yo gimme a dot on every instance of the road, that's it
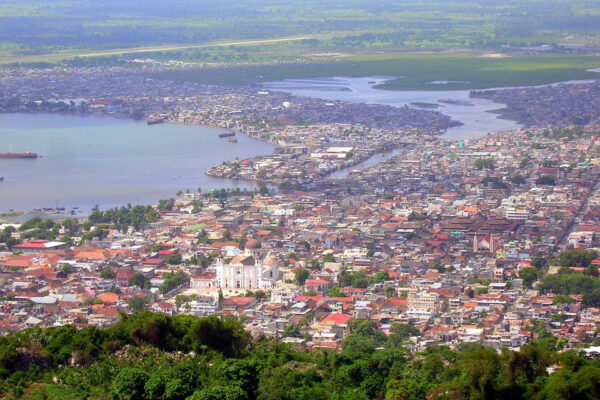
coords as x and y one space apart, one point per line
195 46
55 57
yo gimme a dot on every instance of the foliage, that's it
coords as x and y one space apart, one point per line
355 279
129 383
138 303
529 275
576 258
174 259
153 356
302 276
485 163
546 180
108 273
135 216
140 280
171 281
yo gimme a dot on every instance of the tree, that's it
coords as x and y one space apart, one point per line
400 332
129 383
292 331
562 299
140 280
328 258
357 345
517 180
177 389
334 291
138 303
301 276
220 392
485 163
155 386
537 263
108 274
546 180
403 389
529 275
174 259
67 269
577 258
381 276
389 291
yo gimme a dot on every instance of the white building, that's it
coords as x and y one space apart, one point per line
245 272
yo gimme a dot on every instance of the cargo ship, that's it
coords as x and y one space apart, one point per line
226 134
27 154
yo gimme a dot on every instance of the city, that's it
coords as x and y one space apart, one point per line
316 200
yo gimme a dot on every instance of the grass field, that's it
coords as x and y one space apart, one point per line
60 27
416 71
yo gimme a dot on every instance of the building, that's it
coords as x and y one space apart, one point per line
422 303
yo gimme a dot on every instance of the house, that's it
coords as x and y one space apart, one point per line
36 246
204 305
163 307
318 286
123 276
205 280
336 319
238 303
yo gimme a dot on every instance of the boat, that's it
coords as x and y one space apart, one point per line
233 140
226 134
27 154
155 120
1 178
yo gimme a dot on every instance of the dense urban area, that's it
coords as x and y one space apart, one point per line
416 277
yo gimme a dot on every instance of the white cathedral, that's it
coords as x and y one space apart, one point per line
247 271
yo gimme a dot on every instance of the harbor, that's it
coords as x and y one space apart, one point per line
109 161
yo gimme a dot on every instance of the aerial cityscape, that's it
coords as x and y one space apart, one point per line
300 200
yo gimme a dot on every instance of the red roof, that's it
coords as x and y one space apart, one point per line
315 282
34 244
239 301
167 252
337 318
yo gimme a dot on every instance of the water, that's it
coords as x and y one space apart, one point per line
476 116
376 159
111 162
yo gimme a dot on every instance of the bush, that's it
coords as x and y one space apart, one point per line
130 383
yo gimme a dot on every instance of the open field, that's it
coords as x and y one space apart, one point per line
417 71
60 27
8 58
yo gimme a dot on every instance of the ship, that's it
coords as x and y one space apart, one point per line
152 120
27 154
233 140
226 134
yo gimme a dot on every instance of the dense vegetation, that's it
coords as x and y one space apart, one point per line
152 356
122 218
572 282
35 27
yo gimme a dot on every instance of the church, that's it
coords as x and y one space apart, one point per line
246 270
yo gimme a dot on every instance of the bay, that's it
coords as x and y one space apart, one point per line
110 162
